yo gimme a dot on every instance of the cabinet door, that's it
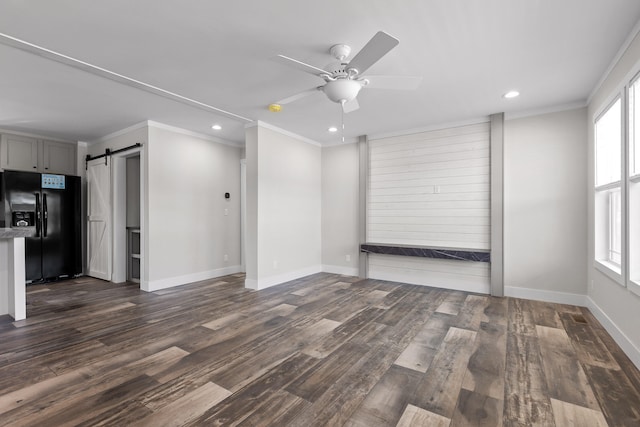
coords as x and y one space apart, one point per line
19 153
58 157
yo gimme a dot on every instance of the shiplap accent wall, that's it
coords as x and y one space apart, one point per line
431 189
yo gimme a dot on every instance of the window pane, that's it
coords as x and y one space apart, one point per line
608 135
634 129
615 226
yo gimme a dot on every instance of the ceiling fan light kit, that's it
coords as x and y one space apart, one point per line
342 90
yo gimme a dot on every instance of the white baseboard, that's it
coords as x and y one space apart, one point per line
618 336
267 282
340 269
156 285
479 288
546 296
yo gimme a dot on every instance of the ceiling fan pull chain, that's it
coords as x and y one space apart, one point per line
342 117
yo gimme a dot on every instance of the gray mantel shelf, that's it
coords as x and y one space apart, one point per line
427 252
12 233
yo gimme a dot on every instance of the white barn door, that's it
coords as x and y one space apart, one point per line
99 234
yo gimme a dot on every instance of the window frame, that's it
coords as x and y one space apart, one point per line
602 208
631 199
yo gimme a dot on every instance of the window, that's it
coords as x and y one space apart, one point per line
633 185
608 190
617 188
615 227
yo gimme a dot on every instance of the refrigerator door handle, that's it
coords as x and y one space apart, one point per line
45 214
38 219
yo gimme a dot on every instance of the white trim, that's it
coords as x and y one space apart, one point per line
545 110
630 349
282 131
119 133
35 135
186 132
338 143
170 282
621 51
340 269
158 125
609 186
609 270
113 76
428 128
545 295
267 282
479 288
633 286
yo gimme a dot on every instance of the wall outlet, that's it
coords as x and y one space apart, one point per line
347 258
226 211
226 257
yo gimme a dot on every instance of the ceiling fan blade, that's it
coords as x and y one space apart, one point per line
394 82
301 65
298 96
375 49
350 106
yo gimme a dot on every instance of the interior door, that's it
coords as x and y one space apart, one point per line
99 234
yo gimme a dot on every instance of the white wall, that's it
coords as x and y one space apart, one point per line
340 209
615 306
188 232
283 206
545 204
251 210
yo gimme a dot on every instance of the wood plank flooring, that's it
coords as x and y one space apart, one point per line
325 350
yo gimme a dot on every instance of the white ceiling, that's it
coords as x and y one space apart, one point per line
219 53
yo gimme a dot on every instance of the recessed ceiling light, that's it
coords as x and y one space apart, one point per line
511 94
216 127
333 129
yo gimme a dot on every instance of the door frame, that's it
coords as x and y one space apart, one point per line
243 214
119 215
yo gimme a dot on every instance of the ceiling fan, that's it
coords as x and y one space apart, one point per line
344 79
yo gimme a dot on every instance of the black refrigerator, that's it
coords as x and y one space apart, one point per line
49 205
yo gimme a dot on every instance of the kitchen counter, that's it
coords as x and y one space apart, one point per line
13 279
10 233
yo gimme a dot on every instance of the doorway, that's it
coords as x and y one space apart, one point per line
127 220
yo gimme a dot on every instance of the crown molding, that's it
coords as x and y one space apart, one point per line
35 135
623 49
282 131
428 128
545 110
186 132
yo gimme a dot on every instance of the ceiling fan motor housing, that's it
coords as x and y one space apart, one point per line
342 90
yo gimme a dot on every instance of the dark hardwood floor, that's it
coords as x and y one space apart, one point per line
326 350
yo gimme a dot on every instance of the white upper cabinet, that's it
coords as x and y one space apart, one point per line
19 153
35 155
58 157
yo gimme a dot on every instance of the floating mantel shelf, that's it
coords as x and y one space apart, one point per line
426 252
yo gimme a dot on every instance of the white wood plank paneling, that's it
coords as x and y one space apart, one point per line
431 189
423 180
439 273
